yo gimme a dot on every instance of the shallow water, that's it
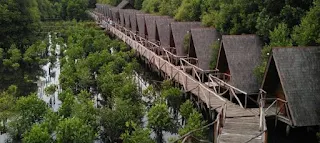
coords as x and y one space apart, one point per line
47 80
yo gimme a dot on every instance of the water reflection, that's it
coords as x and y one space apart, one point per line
52 73
143 81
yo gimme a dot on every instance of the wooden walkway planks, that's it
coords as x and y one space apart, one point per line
240 124
241 129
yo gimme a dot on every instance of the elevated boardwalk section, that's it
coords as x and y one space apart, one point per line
234 123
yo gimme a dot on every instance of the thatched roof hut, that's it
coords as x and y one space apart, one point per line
127 18
203 40
296 70
115 15
109 13
121 16
150 20
239 55
133 20
105 9
165 33
125 4
179 30
142 25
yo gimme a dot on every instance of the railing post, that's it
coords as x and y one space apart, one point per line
245 100
186 82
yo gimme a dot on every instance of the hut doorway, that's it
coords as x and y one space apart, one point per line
273 87
172 43
192 50
222 64
145 30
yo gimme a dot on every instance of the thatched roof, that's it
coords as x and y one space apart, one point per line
243 55
121 15
151 26
106 10
125 4
109 14
115 14
203 40
127 18
179 30
133 20
298 70
141 24
164 30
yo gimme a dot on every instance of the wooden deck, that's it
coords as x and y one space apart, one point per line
239 125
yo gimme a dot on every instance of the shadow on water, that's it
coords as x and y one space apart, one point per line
278 134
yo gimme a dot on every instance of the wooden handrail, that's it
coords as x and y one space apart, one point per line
226 84
201 85
185 60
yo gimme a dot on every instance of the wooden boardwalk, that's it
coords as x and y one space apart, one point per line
234 123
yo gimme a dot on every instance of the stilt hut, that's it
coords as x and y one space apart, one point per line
142 25
165 33
115 15
133 20
292 78
105 10
202 41
121 16
109 13
152 30
179 30
238 56
127 21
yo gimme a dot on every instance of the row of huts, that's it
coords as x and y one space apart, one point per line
292 75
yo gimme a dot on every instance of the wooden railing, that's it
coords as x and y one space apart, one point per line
232 90
171 57
198 73
280 105
220 121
